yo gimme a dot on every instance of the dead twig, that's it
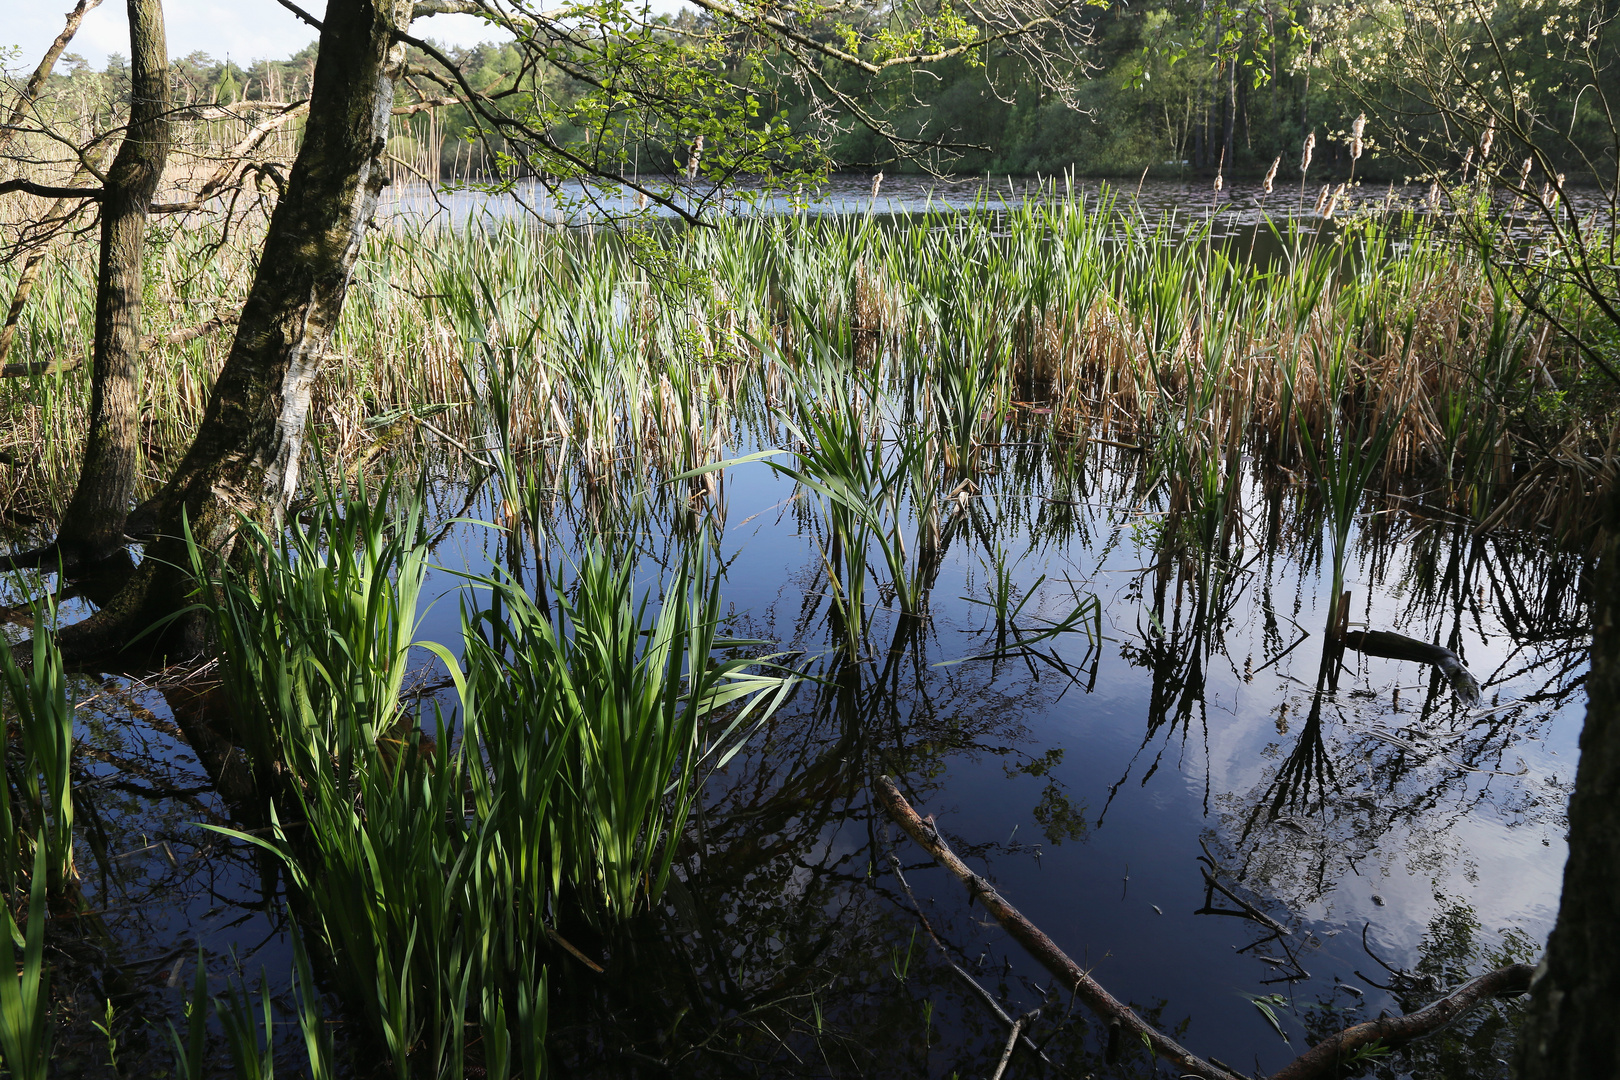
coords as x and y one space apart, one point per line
1322 1060
986 996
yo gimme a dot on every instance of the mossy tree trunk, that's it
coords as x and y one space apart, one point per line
244 459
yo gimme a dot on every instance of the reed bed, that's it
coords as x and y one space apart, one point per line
629 354
432 868
894 370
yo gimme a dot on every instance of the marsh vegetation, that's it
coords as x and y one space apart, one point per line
627 558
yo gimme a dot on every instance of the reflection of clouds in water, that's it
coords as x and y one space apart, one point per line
1423 798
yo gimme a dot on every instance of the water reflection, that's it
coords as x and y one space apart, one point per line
1218 756
1206 803
1240 204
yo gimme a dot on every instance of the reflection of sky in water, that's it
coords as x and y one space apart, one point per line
1418 812
1404 820
993 751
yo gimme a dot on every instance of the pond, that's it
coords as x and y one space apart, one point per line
1239 203
1096 786
1122 701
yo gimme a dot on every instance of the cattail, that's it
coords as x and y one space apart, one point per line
877 182
1550 192
1486 139
1321 200
1305 162
1219 183
1468 163
1271 173
1355 136
1523 187
1333 200
1434 197
692 162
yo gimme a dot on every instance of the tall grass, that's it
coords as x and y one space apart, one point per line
631 357
36 796
36 842
430 870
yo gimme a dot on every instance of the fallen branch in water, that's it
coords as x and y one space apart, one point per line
1318 1063
1040 946
1323 1058
986 996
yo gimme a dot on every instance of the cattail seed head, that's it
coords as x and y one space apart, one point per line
1321 199
1271 173
1305 161
877 182
1355 136
1434 197
1333 200
1486 139
1468 163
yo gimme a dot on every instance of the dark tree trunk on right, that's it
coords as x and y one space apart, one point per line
1571 1031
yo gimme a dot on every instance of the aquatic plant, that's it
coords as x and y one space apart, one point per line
25 1021
581 737
37 795
645 349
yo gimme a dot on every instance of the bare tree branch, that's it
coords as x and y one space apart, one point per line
1324 1059
36 81
1321 1062
48 191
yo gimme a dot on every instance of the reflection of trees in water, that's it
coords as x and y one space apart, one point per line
784 945
1363 770
1453 948
787 945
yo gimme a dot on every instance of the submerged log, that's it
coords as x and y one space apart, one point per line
1043 948
1394 646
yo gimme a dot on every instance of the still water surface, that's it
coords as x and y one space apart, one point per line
1372 814
1095 791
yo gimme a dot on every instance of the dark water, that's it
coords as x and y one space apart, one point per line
1094 786
1371 813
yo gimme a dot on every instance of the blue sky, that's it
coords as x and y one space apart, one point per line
244 30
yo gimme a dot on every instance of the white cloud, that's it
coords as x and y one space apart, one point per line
244 30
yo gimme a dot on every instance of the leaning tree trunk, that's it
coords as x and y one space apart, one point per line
1570 1030
244 459
92 527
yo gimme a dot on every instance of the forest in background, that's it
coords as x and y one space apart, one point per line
1172 89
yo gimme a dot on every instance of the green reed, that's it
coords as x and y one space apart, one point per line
36 795
651 352
429 869
25 1021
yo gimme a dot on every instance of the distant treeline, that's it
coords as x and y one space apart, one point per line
1173 88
